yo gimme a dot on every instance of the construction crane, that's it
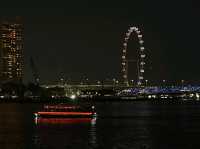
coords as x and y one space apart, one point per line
34 71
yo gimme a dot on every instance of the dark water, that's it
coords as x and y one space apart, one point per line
119 125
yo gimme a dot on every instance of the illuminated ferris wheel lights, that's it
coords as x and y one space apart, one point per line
132 28
141 77
124 51
141 48
128 34
136 29
142 70
138 32
123 57
125 76
139 36
123 64
141 41
143 56
125 44
142 63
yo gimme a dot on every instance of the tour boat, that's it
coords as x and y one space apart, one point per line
66 111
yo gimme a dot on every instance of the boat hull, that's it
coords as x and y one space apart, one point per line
65 114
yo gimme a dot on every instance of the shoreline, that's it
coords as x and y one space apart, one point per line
97 99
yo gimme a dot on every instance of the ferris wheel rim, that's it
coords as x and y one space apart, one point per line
141 58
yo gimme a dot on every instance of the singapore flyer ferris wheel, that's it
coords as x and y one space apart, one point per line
141 57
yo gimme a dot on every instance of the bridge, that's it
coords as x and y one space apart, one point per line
131 90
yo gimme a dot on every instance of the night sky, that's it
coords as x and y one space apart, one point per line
76 39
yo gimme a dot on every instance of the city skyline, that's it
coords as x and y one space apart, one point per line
78 43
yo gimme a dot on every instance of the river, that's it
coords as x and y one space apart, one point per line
119 125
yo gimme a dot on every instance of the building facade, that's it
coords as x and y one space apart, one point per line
11 50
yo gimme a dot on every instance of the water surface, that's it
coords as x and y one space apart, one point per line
119 125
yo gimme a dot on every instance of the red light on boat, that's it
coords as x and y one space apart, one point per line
65 113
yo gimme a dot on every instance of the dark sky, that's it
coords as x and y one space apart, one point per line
84 38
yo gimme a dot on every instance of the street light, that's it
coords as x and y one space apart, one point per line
117 82
164 81
114 81
132 82
146 82
87 81
182 82
98 82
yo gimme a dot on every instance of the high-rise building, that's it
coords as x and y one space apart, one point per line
11 50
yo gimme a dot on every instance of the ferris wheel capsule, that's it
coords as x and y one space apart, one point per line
141 48
130 30
141 77
142 56
125 76
138 32
125 44
128 34
126 39
142 70
136 29
141 41
123 63
124 51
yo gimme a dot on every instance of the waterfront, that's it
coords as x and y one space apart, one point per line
119 125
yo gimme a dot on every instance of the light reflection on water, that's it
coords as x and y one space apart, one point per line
62 121
92 134
71 128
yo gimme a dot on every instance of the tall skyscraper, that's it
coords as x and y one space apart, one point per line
11 50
